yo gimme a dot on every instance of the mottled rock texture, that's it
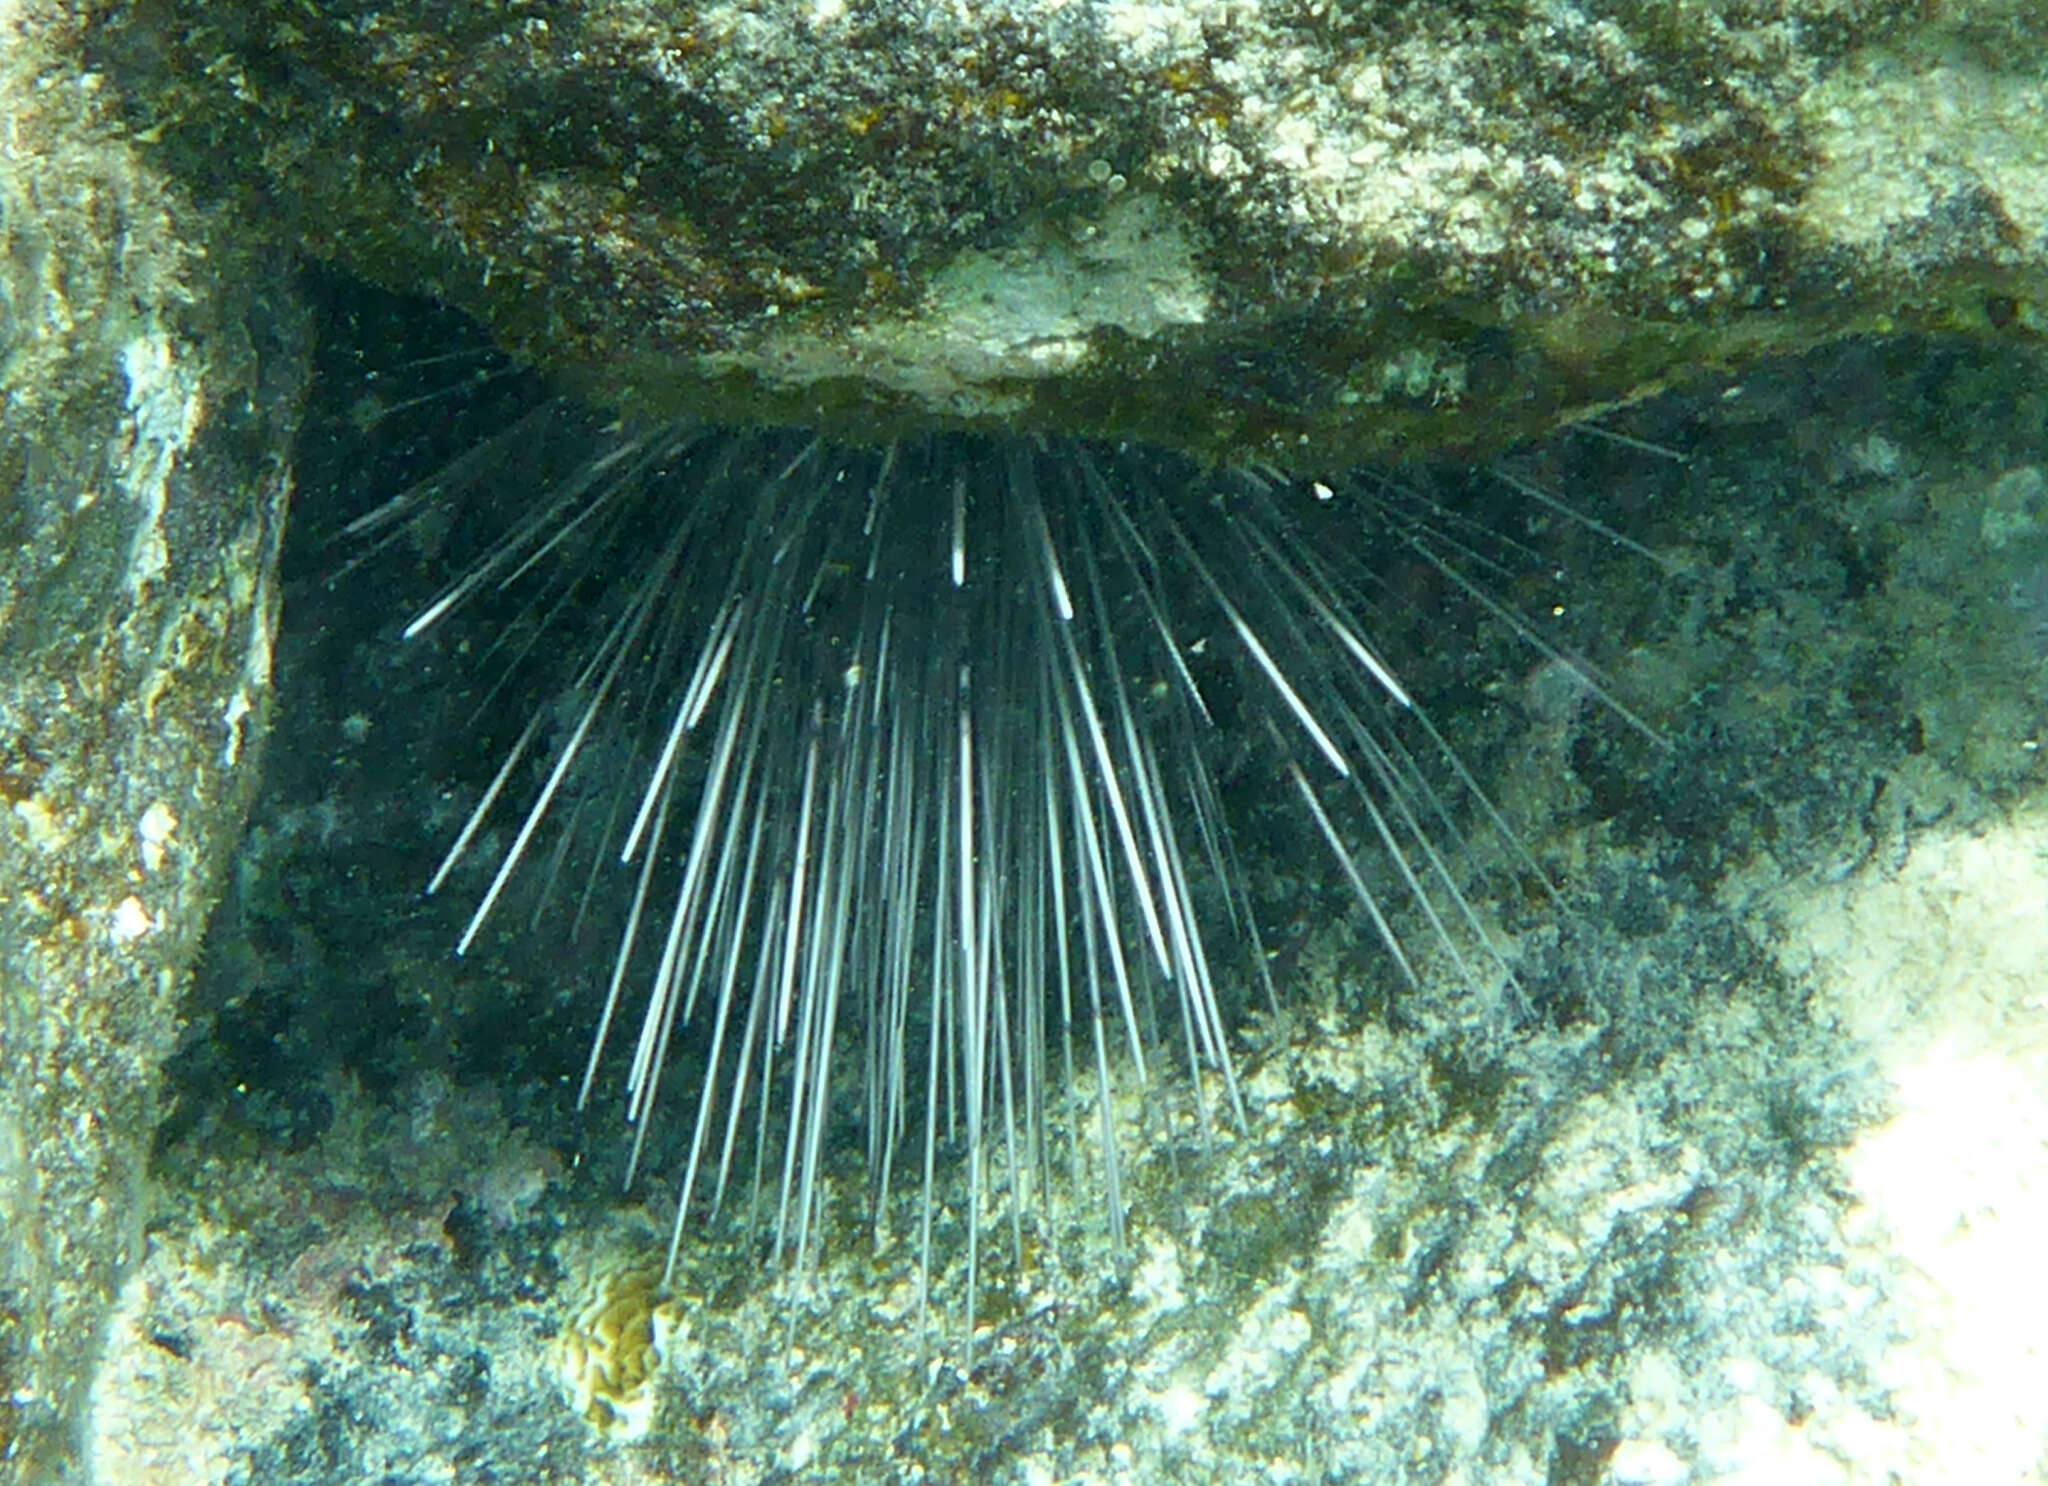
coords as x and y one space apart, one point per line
150 383
1279 228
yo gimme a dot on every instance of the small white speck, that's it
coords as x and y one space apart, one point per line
1646 1463
131 920
1180 1409
232 717
157 826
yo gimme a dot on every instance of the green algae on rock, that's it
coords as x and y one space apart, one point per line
1296 231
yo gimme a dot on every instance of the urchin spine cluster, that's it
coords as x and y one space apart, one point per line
917 759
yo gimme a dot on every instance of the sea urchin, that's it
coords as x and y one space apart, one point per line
923 758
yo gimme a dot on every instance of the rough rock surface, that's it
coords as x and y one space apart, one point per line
149 385
1745 1195
1622 1245
1274 228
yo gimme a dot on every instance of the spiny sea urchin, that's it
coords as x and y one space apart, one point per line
925 764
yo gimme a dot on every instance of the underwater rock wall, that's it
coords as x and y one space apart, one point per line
1301 232
1235 230
152 375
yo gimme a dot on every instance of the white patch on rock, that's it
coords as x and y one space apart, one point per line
165 407
1017 314
155 830
131 920
1937 970
1901 138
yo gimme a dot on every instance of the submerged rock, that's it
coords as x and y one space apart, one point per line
151 375
1618 1245
1693 1211
1292 231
